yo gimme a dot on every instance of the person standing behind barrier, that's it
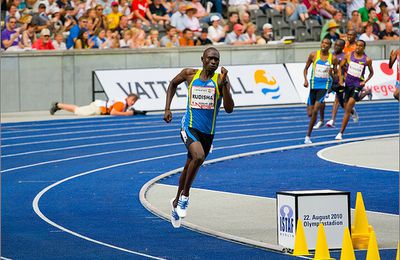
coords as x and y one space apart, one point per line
324 67
206 90
100 107
395 55
354 80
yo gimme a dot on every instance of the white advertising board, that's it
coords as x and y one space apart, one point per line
251 85
331 210
329 207
383 83
286 220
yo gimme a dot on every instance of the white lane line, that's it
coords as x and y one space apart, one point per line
88 156
320 154
152 125
295 139
174 136
155 131
220 125
135 125
5 258
217 234
114 121
34 181
171 136
174 144
36 208
175 130
242 111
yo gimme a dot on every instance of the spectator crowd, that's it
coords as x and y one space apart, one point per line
105 24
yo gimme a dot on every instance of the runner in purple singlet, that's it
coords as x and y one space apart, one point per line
354 80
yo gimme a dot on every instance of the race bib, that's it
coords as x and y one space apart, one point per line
355 69
202 97
322 71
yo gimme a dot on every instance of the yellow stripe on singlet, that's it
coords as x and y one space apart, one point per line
196 76
215 79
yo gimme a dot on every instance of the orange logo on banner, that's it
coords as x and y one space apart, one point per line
264 82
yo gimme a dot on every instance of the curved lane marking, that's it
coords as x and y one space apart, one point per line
36 200
320 155
156 211
158 146
147 205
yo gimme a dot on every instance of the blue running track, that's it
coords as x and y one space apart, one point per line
70 187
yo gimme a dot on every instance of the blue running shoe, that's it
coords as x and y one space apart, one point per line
183 203
175 219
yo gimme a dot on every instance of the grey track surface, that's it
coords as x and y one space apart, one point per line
380 154
227 217
223 212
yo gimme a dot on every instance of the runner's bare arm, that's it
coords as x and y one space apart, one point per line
226 91
392 58
371 72
184 75
341 65
310 60
334 70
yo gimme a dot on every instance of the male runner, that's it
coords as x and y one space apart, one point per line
324 67
206 90
350 47
354 80
395 54
339 91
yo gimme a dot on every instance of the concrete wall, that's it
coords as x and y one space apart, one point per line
32 80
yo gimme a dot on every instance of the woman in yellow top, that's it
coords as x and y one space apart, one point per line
114 16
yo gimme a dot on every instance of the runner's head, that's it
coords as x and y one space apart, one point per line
326 45
351 36
210 59
360 47
338 47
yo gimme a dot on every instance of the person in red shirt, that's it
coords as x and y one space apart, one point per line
140 10
44 42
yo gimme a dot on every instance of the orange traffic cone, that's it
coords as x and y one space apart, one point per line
300 242
360 230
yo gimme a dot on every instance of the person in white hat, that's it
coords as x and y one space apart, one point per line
216 32
44 42
51 7
266 35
